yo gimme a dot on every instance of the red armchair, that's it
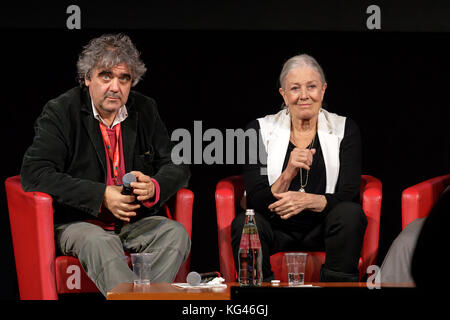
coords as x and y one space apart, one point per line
40 273
229 192
418 200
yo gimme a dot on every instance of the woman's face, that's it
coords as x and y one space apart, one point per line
303 92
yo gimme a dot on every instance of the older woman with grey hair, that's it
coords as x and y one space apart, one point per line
86 140
309 198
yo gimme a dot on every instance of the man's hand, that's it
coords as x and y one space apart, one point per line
121 206
144 188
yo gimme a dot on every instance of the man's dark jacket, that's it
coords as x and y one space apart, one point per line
67 158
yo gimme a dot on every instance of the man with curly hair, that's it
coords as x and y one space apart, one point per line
85 141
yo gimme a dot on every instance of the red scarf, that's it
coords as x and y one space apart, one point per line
114 157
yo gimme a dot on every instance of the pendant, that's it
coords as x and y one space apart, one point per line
302 190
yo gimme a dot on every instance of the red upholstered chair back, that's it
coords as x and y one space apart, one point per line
40 273
229 192
418 200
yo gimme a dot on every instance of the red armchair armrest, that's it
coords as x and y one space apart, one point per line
31 219
182 212
371 197
418 200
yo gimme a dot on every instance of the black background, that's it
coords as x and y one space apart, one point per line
220 64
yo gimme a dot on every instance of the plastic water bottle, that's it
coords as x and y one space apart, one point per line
250 253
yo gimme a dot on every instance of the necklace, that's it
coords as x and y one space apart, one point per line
303 186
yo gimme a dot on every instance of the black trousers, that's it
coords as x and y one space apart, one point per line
340 234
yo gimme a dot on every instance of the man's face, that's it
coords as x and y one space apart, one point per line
109 88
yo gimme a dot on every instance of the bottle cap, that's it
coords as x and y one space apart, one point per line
250 212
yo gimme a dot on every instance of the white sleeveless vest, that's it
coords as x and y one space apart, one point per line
275 132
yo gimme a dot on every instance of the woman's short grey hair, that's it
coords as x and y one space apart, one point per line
302 60
108 51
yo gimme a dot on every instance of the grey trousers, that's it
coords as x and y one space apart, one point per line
396 266
101 253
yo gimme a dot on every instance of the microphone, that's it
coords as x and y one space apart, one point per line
195 278
127 179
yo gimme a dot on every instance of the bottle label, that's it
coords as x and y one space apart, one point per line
250 241
245 241
254 241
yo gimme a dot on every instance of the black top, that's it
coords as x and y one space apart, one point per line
259 195
67 158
